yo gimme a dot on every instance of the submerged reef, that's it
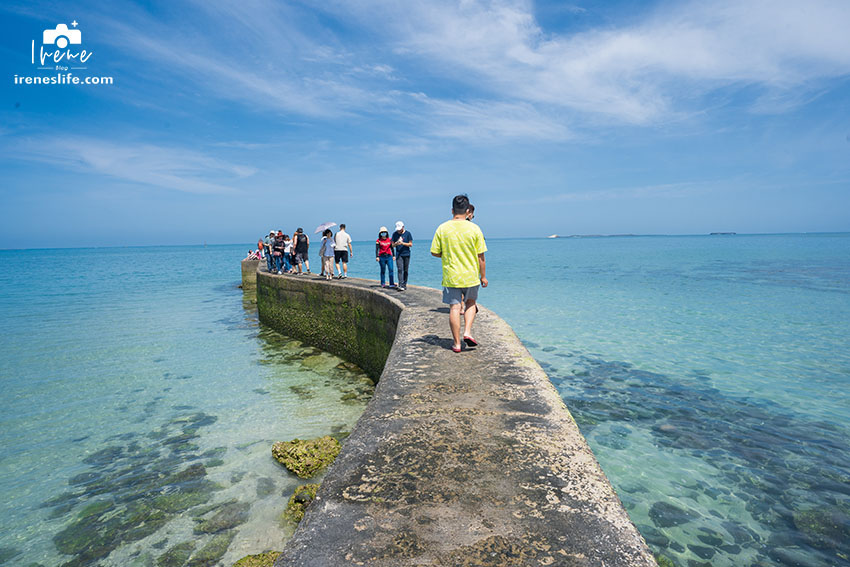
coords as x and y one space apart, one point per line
306 458
784 474
134 489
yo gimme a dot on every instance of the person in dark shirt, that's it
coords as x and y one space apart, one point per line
402 242
301 245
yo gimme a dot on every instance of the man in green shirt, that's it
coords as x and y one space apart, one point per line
460 245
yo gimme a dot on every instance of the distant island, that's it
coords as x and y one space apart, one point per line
625 235
590 235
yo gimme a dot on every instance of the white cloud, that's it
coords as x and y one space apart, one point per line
159 166
485 121
637 74
253 53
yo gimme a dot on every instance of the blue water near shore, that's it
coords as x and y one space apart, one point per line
709 374
140 392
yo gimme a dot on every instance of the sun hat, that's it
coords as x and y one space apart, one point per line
383 229
399 225
271 232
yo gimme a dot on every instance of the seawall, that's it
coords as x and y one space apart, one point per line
249 275
465 459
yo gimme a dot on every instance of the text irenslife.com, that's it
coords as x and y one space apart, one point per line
63 79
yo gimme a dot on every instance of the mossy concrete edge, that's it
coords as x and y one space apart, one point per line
348 321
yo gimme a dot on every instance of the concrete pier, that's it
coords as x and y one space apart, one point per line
467 459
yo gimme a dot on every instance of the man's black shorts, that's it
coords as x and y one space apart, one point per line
341 256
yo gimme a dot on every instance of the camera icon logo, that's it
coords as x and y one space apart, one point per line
61 37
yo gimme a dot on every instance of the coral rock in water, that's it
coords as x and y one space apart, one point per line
306 458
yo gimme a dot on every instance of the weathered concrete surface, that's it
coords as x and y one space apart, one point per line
249 274
466 459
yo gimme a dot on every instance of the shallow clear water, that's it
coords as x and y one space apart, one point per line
122 367
709 374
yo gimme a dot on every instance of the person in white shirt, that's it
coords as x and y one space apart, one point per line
342 249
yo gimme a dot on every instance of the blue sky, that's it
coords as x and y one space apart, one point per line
227 119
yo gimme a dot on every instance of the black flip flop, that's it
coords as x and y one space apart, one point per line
470 341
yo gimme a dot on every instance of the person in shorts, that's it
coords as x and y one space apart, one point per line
459 243
342 249
326 251
301 245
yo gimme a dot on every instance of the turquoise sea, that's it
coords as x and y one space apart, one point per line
710 375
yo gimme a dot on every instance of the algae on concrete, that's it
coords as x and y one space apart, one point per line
306 458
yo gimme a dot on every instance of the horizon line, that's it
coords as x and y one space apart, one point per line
559 237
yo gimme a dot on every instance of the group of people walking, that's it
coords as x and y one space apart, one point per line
285 255
458 242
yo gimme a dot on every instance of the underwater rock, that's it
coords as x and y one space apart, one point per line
350 366
192 472
303 392
666 515
823 529
261 560
227 517
306 458
265 486
84 478
178 501
96 509
104 456
298 502
315 361
209 555
664 561
653 536
702 552
177 555
7 553
710 538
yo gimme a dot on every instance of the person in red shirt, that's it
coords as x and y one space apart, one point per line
384 254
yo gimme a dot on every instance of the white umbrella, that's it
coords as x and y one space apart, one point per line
324 226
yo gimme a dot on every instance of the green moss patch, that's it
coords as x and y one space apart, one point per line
301 498
306 458
260 560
